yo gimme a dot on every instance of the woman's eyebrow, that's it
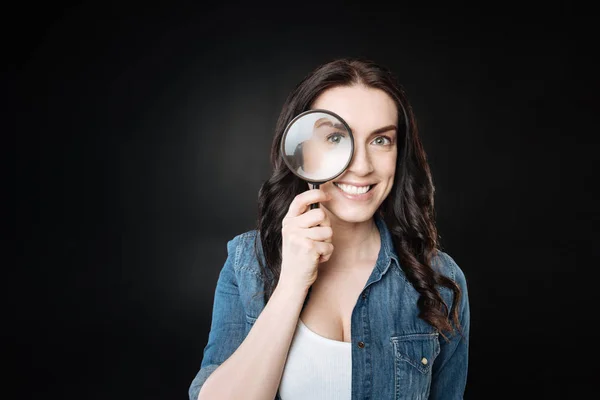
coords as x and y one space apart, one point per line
324 121
384 129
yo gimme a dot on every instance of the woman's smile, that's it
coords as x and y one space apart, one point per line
355 192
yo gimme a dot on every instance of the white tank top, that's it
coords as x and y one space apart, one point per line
317 368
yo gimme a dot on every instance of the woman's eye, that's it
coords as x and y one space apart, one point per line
382 140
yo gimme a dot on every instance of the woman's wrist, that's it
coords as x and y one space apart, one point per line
291 289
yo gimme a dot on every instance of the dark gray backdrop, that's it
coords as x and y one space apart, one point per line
142 138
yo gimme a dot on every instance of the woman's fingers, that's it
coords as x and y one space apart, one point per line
320 233
311 218
324 250
301 202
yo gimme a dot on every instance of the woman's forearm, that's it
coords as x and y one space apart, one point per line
254 370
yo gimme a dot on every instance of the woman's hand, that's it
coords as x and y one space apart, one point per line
306 237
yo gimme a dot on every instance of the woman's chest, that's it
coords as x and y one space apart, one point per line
333 297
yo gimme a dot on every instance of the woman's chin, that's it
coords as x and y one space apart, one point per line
351 215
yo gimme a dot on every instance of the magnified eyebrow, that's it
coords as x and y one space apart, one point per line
321 122
325 121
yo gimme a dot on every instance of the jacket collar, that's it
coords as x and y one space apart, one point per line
387 254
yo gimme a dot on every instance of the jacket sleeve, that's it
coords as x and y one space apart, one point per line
227 329
449 371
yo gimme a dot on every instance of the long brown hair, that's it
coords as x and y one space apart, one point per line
408 211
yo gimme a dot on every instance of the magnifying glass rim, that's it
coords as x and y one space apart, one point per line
318 110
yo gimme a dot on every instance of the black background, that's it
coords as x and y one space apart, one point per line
142 136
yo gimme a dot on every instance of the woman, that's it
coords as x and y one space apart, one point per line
353 299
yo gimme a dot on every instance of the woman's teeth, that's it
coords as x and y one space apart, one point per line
353 189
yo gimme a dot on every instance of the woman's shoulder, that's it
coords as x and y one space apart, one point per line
242 250
445 264
243 241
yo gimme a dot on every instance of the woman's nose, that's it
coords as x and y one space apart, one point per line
361 161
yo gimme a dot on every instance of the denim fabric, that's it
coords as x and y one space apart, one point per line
403 357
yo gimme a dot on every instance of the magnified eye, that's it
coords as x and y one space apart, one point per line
335 138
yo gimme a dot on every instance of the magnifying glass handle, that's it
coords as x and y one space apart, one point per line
315 205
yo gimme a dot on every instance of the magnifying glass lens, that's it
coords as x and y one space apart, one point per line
317 146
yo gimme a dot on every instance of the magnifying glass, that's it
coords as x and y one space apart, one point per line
317 146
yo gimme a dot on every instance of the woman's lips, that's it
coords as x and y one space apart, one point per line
357 197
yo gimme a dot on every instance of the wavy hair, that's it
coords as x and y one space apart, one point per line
408 210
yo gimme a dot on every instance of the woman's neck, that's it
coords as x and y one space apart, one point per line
354 243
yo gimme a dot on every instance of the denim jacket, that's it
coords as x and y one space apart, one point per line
395 354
